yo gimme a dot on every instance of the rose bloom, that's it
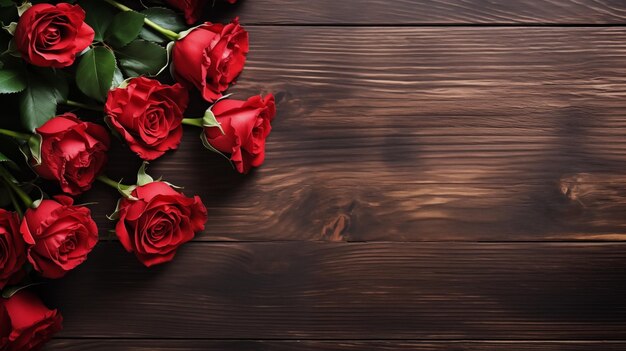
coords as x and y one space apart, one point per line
59 235
25 323
210 57
12 248
73 152
52 35
158 222
246 125
148 115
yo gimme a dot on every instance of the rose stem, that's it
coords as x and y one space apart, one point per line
20 193
81 105
16 204
196 122
165 32
16 135
108 181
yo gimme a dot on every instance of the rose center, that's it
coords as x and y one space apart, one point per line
50 36
153 121
68 245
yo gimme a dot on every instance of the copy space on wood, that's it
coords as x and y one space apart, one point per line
349 291
209 345
420 134
419 12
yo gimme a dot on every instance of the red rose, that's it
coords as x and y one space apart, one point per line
25 323
51 36
158 222
210 57
148 115
246 125
12 247
59 235
73 152
192 9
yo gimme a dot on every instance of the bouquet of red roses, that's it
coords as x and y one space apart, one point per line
136 67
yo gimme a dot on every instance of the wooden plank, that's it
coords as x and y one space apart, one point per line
304 290
426 12
185 345
421 134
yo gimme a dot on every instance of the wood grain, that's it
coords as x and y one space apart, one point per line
299 290
421 134
373 12
185 345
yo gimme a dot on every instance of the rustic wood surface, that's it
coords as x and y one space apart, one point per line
442 175
304 290
443 134
194 345
417 12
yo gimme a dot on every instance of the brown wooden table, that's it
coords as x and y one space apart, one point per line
442 175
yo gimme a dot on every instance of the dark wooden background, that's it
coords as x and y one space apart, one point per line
442 175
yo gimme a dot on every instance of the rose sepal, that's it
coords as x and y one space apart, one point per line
143 178
7 293
23 7
208 145
32 148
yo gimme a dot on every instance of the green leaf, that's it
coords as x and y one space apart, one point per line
4 159
94 74
142 58
142 177
124 28
165 18
5 3
98 16
38 102
12 81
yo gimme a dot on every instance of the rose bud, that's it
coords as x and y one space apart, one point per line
148 115
73 152
156 219
192 9
12 248
210 57
52 35
245 126
25 323
59 235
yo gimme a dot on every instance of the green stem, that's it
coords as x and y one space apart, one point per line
16 204
108 181
163 31
196 122
16 189
84 106
16 135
